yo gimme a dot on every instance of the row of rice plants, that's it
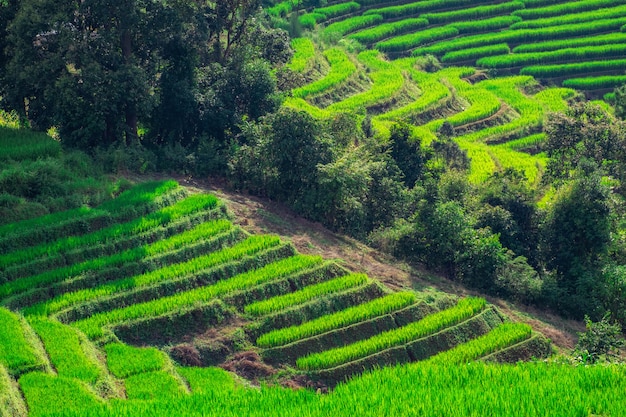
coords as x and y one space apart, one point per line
502 336
71 354
157 385
482 165
483 103
473 12
308 293
522 36
207 380
472 54
529 389
433 92
124 361
528 142
604 39
421 7
341 68
563 8
18 345
559 55
92 325
485 25
192 204
138 195
532 166
387 78
465 309
580 17
203 231
283 8
386 30
48 395
413 40
352 315
304 52
321 14
595 83
352 24
250 246
560 70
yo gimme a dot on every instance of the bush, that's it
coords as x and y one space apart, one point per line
601 341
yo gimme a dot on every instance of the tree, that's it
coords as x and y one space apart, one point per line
408 153
601 340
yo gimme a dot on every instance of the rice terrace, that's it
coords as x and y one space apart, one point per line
190 241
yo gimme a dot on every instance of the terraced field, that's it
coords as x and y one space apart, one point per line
497 56
176 274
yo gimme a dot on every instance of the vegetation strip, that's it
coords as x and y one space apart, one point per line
340 69
203 231
428 325
17 353
166 215
92 325
251 245
502 336
279 303
124 361
342 318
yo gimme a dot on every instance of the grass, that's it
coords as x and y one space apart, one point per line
203 231
124 361
66 349
250 246
337 320
17 353
428 325
92 325
156 385
275 304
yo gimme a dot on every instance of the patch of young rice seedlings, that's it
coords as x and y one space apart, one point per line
472 54
303 105
303 55
560 70
580 53
497 339
531 166
532 141
560 9
465 309
66 350
522 36
164 216
595 83
387 78
47 394
283 8
416 8
253 244
341 68
352 315
138 195
338 9
473 12
386 30
485 25
413 40
124 361
203 231
482 164
555 99
588 16
92 326
352 24
306 294
17 352
433 92
157 385
207 380
604 39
